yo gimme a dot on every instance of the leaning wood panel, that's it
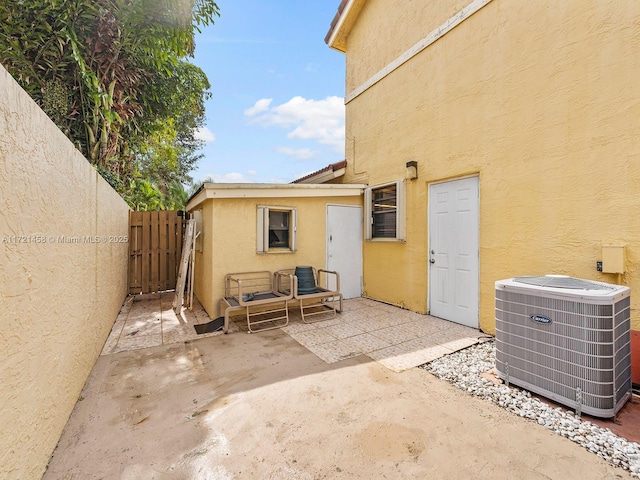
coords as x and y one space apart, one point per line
178 299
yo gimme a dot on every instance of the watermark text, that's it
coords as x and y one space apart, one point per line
39 238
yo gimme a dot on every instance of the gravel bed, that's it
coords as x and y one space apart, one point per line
463 370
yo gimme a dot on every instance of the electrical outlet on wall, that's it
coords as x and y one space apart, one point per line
599 266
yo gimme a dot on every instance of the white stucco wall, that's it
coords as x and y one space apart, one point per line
58 300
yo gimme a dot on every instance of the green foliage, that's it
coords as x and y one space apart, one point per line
144 195
113 75
195 186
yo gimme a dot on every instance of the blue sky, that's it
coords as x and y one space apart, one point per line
277 111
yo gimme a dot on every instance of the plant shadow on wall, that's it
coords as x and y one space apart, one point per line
115 78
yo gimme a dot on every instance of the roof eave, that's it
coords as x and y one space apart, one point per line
272 190
341 25
324 176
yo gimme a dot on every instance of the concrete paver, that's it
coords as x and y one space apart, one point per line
383 332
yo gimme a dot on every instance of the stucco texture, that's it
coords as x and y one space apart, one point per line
59 291
540 99
229 240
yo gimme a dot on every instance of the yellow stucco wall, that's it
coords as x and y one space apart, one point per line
203 276
230 229
540 99
394 272
405 22
58 300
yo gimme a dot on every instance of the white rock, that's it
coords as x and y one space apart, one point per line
463 370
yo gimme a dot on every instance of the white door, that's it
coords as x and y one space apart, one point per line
453 251
344 247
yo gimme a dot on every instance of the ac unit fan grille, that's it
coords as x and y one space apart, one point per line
564 282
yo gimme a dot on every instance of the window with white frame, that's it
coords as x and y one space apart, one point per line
385 209
276 229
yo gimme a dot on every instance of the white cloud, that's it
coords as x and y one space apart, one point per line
274 72
232 177
260 106
301 153
307 119
278 180
236 177
204 134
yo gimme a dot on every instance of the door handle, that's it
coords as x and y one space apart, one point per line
432 260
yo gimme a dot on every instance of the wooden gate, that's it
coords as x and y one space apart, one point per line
155 244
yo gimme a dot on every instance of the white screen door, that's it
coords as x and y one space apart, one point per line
344 247
453 250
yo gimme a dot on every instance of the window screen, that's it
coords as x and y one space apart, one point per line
279 233
384 209
276 229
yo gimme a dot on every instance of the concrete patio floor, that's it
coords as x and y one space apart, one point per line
264 406
399 339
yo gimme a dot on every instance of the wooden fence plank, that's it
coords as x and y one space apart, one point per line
131 273
164 281
174 258
144 250
154 283
155 240
180 224
171 238
135 259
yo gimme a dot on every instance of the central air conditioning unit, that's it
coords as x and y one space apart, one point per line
566 339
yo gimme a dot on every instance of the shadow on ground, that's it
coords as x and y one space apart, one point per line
263 406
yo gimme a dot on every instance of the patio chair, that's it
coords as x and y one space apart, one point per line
265 307
321 301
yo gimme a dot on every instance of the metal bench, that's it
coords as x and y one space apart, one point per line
257 295
320 302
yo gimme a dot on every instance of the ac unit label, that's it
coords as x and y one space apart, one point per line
541 319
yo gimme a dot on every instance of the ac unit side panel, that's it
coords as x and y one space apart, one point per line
567 398
518 302
588 342
555 375
593 368
622 347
